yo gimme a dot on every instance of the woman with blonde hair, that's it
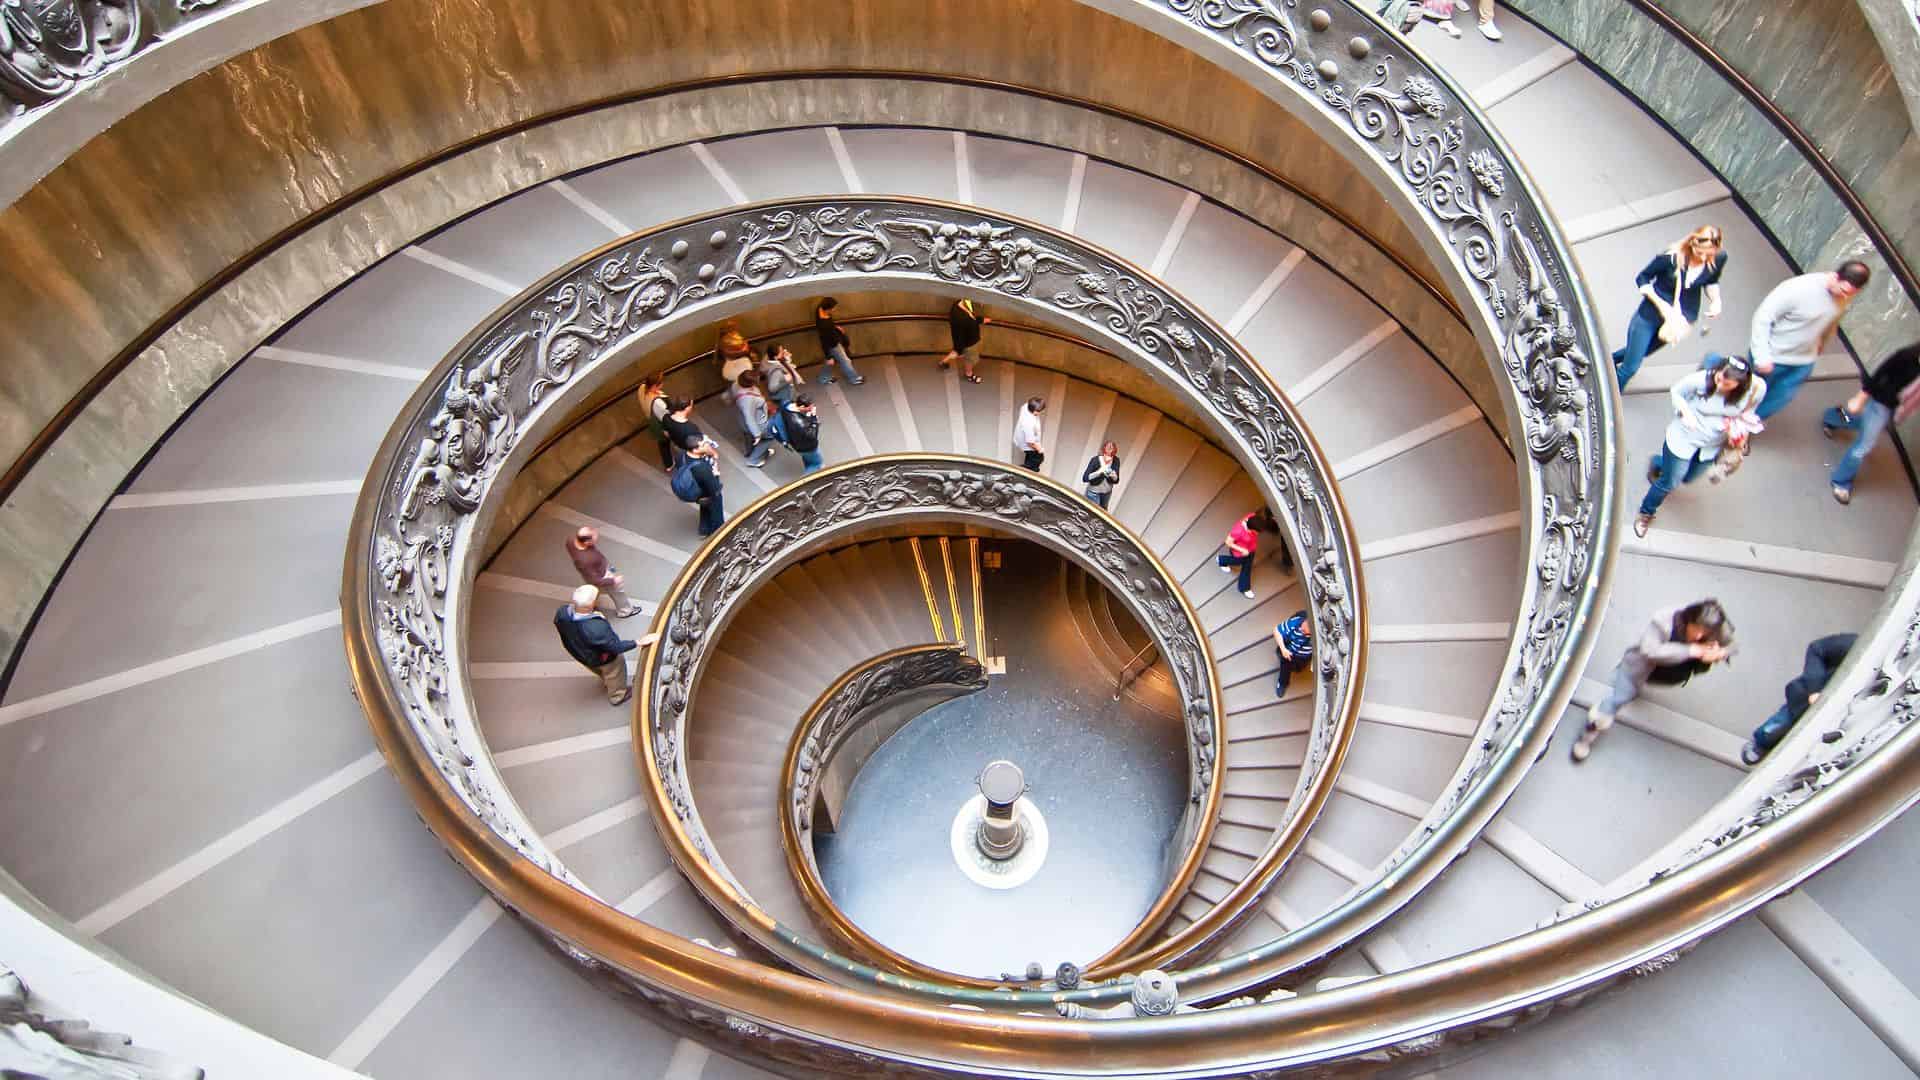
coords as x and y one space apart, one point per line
1671 287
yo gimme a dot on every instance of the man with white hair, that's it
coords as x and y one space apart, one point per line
589 638
591 563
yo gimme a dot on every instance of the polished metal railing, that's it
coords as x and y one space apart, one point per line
514 378
831 508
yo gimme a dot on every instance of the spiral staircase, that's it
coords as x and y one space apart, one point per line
192 785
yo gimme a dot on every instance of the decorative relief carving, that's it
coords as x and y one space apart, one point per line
48 47
757 543
876 684
571 322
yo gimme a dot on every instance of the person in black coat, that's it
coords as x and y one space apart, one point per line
1672 286
1823 659
1101 474
964 322
589 638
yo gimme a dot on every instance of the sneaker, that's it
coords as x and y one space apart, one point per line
622 699
1581 749
627 614
1225 569
1248 594
1641 523
1490 31
1451 30
1750 754
1842 495
858 380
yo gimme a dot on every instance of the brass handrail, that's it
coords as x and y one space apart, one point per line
795 809
1126 675
950 487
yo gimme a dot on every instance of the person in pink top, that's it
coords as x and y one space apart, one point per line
1243 541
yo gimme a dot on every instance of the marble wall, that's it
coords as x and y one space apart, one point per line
1819 62
301 151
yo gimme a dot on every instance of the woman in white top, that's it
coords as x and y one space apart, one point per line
1711 409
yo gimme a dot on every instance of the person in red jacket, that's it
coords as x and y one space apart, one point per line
1243 541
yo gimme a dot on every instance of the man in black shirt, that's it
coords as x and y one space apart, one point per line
680 428
833 343
589 638
1886 397
964 321
1823 659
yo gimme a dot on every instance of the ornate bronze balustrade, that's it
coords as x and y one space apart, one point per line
825 509
514 376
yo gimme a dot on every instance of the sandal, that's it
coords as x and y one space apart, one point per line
974 379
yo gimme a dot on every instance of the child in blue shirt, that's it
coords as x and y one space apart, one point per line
1293 644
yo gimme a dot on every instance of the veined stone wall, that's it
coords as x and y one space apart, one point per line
1819 62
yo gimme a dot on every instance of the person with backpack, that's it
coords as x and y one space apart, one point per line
653 402
1823 658
1712 409
1888 396
696 479
1676 644
834 343
1243 541
801 427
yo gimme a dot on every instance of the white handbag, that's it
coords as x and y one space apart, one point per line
1675 327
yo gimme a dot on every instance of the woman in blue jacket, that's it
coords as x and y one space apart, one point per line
1688 269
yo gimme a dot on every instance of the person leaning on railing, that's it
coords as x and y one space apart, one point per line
1823 658
1888 396
589 638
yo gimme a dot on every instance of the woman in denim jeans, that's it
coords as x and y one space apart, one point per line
1710 408
1676 278
1869 412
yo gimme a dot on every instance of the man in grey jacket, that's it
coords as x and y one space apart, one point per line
1795 323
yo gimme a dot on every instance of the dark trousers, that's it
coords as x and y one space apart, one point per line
1245 563
1287 669
666 453
1643 340
1033 459
1099 498
712 515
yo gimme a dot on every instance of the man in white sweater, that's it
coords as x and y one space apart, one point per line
1795 324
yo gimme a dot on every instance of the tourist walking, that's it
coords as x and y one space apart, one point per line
654 403
756 419
696 479
734 354
1293 646
1243 543
779 375
594 569
589 638
1487 29
1675 645
964 321
1889 395
1027 433
1102 473
1822 660
834 343
1688 271
1795 323
1712 410
800 427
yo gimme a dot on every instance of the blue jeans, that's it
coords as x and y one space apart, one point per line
1773 729
1782 384
1099 498
811 459
712 515
839 353
1245 563
1643 340
1669 468
1867 428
